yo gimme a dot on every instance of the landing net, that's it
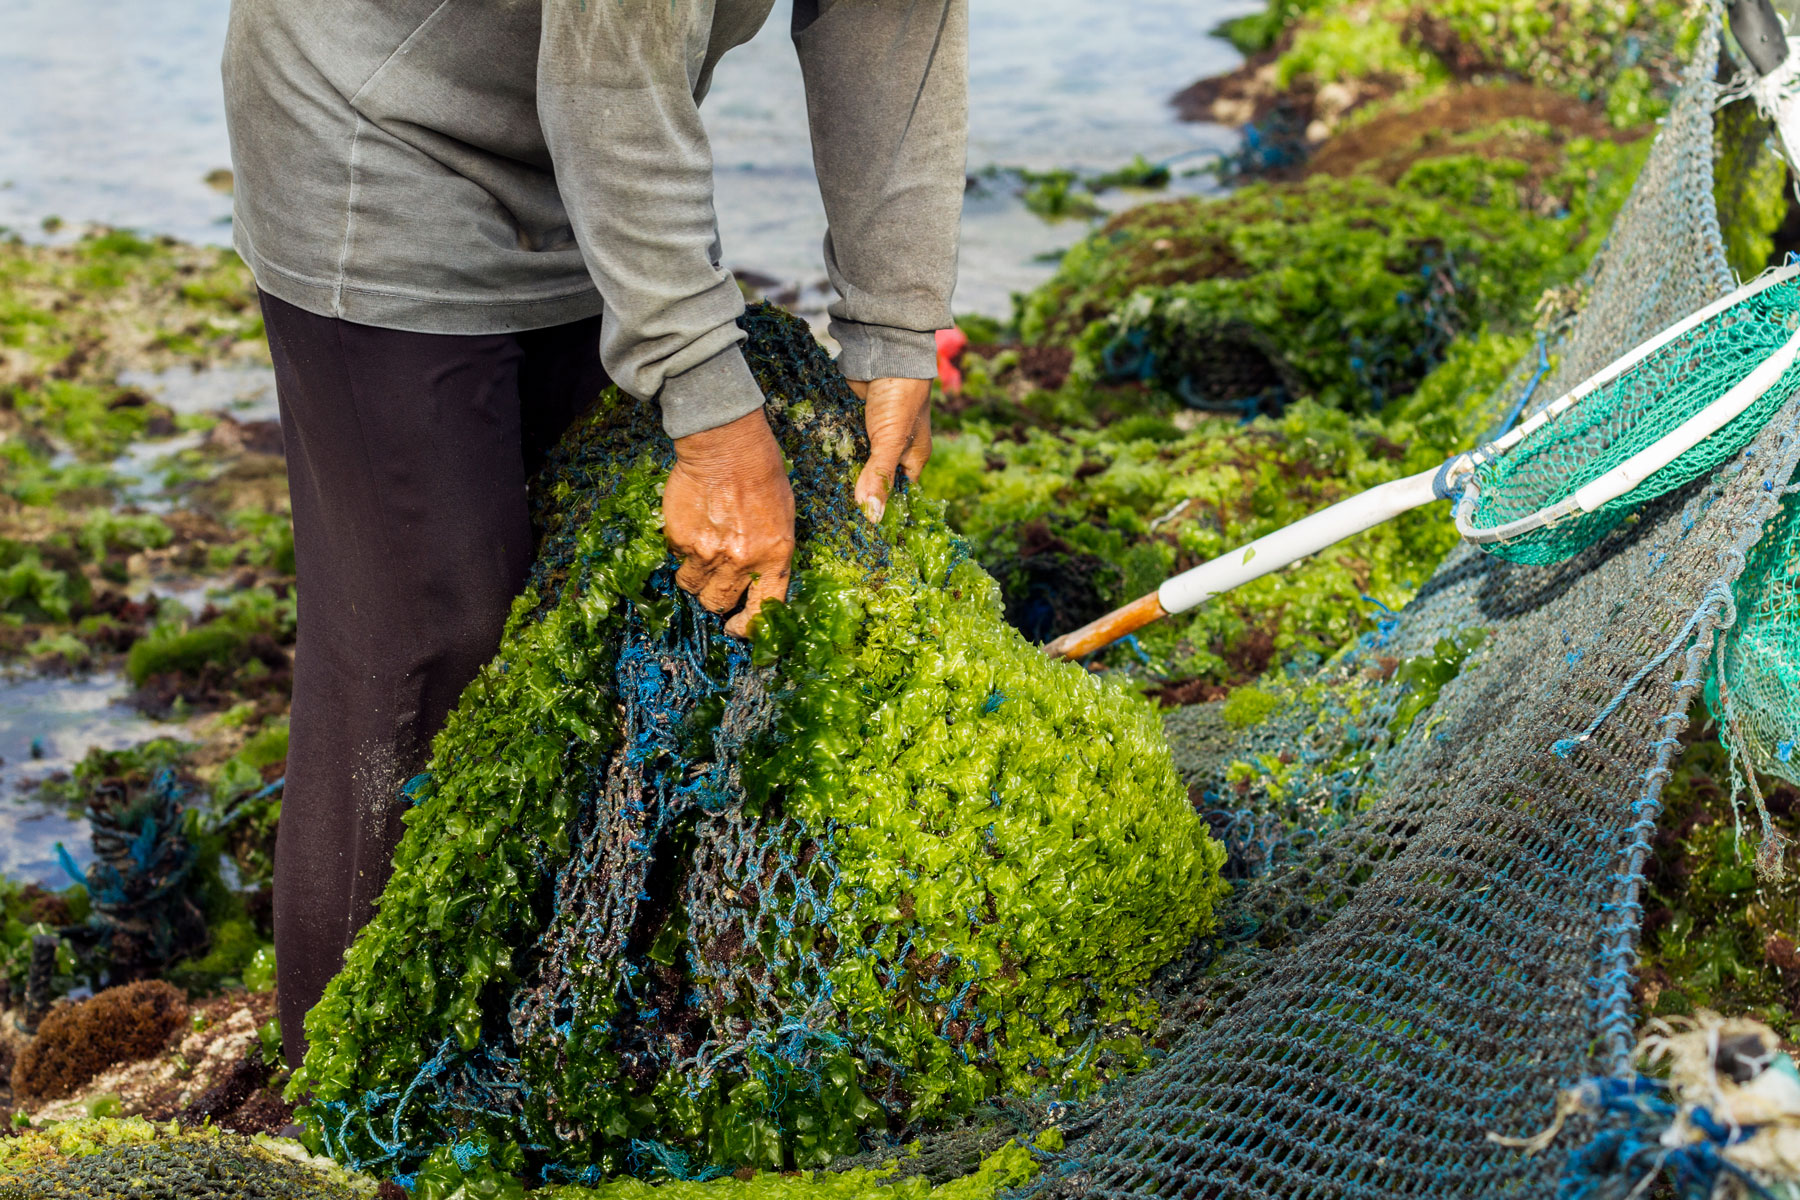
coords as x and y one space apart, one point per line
1630 413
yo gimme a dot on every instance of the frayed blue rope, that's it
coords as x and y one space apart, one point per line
1518 408
1719 596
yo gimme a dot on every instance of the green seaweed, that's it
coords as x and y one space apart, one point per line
1424 677
1750 187
117 770
37 590
102 533
1337 45
1249 705
1716 935
1013 1164
1350 288
1111 516
167 650
107 1157
1586 48
1576 46
226 641
993 827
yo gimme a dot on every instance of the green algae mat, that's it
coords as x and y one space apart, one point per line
111 1158
670 904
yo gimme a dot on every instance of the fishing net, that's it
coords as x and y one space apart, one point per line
669 904
1438 928
141 881
1630 413
1754 689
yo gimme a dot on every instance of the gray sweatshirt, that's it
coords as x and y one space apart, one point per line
485 166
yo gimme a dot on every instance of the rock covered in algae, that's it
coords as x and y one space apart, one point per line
133 1159
668 900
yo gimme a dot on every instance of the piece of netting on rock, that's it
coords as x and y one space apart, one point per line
1454 941
671 904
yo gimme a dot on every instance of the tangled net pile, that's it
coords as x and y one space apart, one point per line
667 899
1444 952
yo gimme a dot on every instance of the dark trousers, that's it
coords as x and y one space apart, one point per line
407 458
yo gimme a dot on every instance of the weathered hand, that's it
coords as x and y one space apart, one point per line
897 413
728 514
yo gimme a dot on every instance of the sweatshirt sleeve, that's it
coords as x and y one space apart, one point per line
887 100
616 99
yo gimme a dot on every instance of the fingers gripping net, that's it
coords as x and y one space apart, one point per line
1450 951
1629 414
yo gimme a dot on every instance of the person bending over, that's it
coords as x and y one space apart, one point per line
464 218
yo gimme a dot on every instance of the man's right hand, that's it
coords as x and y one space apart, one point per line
728 514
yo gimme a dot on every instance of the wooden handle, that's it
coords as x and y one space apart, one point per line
1108 629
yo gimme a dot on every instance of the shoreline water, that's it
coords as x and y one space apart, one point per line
117 120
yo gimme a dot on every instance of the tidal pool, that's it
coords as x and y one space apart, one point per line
47 723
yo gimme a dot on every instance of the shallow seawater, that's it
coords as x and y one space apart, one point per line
113 115
246 392
47 724
61 718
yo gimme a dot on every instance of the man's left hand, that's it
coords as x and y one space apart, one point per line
897 413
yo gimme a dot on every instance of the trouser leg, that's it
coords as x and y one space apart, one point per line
407 469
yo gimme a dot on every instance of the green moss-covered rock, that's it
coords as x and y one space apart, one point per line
133 1159
1345 290
655 893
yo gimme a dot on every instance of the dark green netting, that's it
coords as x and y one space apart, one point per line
668 905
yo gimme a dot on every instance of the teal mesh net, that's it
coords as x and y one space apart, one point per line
1754 689
1629 414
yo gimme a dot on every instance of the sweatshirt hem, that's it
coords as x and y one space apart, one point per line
418 312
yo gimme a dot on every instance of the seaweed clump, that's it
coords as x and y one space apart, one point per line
669 904
1344 289
1718 935
134 1159
78 1041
